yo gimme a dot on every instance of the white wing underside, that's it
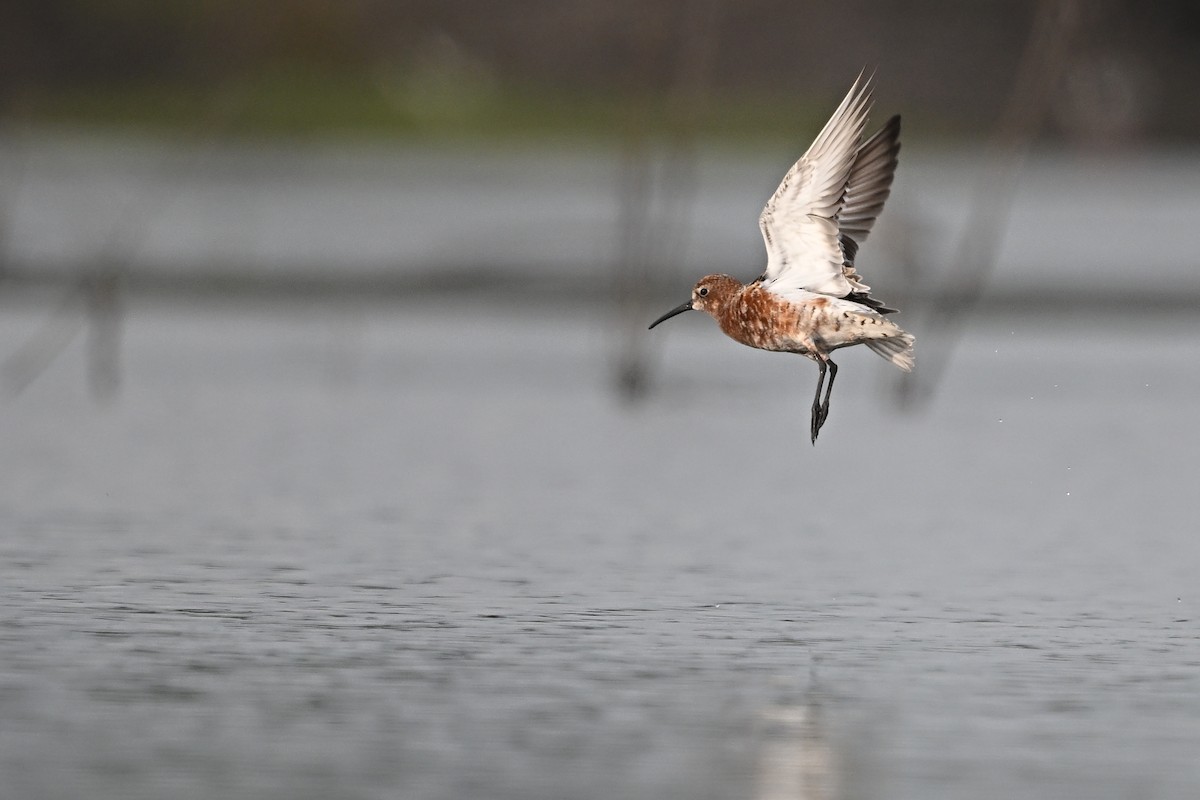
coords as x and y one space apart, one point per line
833 193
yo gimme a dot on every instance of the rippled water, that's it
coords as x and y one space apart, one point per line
423 552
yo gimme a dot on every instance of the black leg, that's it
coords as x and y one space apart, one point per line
828 391
820 408
816 407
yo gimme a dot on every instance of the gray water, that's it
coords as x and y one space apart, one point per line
423 552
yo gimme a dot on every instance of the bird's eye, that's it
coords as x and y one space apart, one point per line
703 291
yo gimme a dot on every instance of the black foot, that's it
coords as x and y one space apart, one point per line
819 413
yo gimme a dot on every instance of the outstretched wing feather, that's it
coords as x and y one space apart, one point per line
870 182
800 223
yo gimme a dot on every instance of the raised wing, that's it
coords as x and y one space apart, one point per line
867 189
870 182
833 192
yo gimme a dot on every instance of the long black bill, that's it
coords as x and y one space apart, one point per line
672 313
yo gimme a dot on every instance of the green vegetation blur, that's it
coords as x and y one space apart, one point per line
467 68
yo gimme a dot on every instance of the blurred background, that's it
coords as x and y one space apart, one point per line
615 150
337 460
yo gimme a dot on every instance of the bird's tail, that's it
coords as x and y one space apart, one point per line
896 348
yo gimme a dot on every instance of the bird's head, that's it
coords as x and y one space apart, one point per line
709 293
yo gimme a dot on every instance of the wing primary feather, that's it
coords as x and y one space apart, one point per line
800 222
870 181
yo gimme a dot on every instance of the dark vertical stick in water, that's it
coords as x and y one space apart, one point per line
10 181
100 289
656 190
1047 53
104 310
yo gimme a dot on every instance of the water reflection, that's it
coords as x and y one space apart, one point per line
797 760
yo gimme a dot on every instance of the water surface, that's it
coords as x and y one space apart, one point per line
423 552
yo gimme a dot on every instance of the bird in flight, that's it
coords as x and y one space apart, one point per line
810 299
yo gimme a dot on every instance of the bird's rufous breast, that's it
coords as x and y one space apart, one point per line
762 319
